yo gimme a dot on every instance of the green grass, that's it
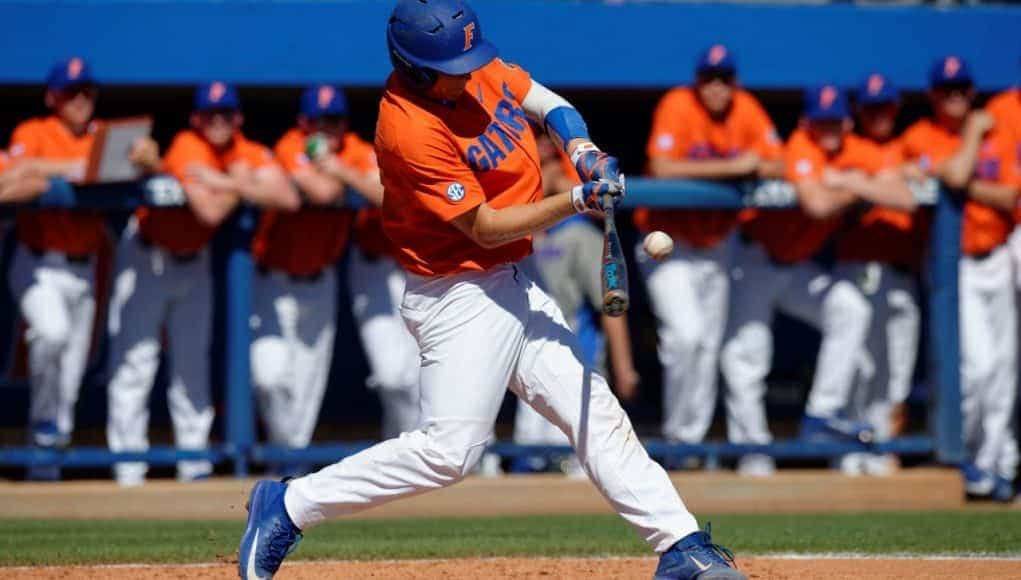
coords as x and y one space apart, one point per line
28 542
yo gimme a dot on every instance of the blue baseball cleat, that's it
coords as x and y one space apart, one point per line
978 484
270 534
696 556
835 428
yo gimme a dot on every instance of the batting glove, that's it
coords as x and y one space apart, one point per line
589 196
594 165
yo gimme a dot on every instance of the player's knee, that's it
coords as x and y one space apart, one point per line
50 335
137 365
452 451
678 345
848 311
269 363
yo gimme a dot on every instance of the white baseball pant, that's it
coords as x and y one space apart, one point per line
758 288
689 294
377 289
480 333
887 364
56 299
293 328
989 361
154 291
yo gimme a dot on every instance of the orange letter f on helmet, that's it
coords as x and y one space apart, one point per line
469 35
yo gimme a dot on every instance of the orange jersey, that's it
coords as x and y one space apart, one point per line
177 229
1006 109
884 234
792 236
75 233
439 161
682 129
307 241
983 228
4 161
369 234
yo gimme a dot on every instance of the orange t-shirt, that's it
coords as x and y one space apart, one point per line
440 160
1006 109
884 234
307 241
177 229
682 129
78 232
791 236
983 228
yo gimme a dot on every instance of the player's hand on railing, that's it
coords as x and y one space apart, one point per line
746 163
145 153
589 196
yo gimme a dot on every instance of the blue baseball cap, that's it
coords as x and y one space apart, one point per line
716 58
216 95
876 89
322 101
68 73
949 70
826 103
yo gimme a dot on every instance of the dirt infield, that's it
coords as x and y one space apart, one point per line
547 568
719 492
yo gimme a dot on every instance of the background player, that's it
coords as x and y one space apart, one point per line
164 282
713 130
296 287
880 251
462 197
52 276
830 168
22 182
957 145
1006 111
567 259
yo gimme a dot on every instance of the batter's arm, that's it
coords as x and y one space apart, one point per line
492 228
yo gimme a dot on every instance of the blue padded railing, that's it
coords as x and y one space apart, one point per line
240 448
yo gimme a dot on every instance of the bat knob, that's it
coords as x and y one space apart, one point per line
615 303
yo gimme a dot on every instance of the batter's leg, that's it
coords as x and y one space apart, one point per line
137 308
470 336
552 379
189 328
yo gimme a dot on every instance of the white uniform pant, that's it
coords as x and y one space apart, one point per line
154 292
480 333
887 364
689 294
57 302
377 289
293 328
989 361
758 288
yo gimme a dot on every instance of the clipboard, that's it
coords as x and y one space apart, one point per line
108 159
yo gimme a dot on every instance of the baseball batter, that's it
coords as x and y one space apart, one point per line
832 170
52 276
959 146
713 130
881 252
463 195
163 280
295 292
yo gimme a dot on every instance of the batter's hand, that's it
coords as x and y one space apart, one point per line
589 196
594 165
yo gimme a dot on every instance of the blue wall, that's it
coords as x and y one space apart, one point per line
563 43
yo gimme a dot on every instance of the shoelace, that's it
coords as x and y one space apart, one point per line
717 550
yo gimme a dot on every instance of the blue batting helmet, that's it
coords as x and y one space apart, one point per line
430 36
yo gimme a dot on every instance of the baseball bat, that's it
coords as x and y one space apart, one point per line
614 274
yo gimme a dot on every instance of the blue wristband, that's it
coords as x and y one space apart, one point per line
565 124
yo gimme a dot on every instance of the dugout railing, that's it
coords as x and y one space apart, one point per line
240 448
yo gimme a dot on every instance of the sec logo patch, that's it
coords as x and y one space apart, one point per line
455 192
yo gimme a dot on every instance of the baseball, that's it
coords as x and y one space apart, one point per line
658 245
